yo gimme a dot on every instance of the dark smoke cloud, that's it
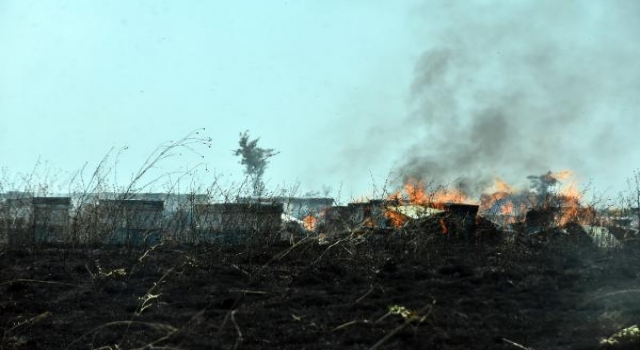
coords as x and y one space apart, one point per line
517 88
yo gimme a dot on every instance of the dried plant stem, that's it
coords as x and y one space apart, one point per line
350 323
519 346
365 294
25 280
151 325
153 344
247 291
29 322
281 255
240 269
418 317
611 294
240 338
329 247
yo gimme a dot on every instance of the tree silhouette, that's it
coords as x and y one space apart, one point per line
255 160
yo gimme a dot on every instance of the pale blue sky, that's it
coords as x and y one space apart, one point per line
333 85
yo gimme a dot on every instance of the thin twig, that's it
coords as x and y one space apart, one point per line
25 280
160 326
151 290
350 323
407 322
281 255
607 295
240 269
329 247
153 344
247 291
365 294
519 346
240 338
224 322
30 321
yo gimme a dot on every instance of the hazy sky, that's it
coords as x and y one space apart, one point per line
348 91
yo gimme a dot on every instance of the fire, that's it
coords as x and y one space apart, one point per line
570 203
562 175
396 219
512 204
498 192
369 223
309 223
570 191
415 192
504 202
412 192
445 230
507 209
444 195
502 187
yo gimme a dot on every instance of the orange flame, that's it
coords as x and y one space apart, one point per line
415 192
309 223
570 205
562 175
502 199
445 230
568 195
502 187
499 191
507 209
369 223
396 219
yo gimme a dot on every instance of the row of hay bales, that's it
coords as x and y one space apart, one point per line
52 220
381 214
136 222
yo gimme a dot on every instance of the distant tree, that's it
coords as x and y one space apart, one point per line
255 160
632 199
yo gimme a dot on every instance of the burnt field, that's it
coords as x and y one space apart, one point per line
369 292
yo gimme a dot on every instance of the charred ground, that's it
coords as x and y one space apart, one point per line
376 290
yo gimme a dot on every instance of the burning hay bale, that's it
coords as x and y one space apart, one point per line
458 221
412 211
465 213
568 225
540 219
440 223
450 212
337 219
450 226
575 235
385 217
486 230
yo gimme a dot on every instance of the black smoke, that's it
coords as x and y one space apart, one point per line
514 88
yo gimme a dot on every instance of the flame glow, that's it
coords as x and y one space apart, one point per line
396 219
445 230
570 209
309 223
415 192
505 203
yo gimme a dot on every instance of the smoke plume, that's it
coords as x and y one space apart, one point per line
517 88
